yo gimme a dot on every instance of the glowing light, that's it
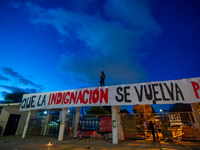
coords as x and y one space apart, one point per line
49 144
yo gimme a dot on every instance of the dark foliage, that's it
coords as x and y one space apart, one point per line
124 111
180 108
97 110
108 108
14 97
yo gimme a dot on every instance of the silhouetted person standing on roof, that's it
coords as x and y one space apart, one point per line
102 78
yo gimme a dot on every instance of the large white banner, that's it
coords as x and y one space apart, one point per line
162 92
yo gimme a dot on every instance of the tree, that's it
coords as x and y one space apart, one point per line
180 108
124 111
97 110
84 110
140 110
14 97
108 108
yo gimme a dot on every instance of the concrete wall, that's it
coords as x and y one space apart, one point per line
4 116
3 119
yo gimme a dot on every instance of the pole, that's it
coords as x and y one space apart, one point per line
26 125
46 123
145 120
120 135
193 126
76 121
62 124
114 125
196 115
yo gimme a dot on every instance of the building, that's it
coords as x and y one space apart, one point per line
12 121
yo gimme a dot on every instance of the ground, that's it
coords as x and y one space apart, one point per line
31 142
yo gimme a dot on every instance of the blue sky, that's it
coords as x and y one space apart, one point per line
63 44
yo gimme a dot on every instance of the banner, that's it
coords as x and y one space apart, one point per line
175 119
163 92
89 123
105 124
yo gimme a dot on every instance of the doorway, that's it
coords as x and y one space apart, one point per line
12 124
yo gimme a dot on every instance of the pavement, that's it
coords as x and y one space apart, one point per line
31 142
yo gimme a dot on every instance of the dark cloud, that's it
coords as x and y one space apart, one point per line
3 78
21 79
28 82
9 71
13 88
31 90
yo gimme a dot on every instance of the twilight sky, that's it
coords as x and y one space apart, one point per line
64 44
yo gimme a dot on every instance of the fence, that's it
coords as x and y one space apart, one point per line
167 126
185 128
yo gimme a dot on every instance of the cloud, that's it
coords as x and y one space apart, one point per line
3 78
16 5
21 79
31 90
10 72
13 88
112 36
28 82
